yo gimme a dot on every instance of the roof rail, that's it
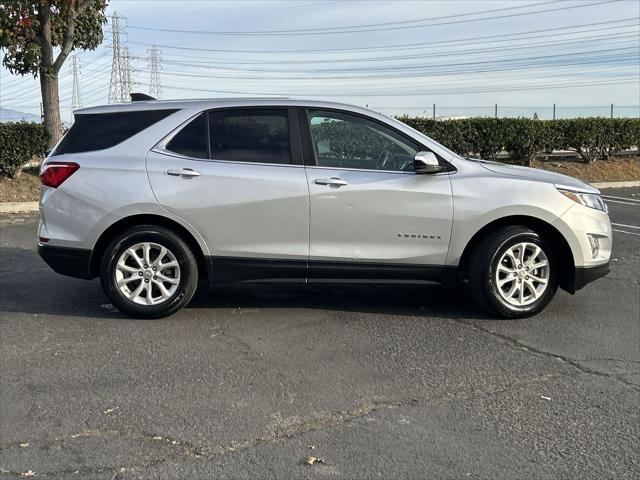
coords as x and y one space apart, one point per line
140 97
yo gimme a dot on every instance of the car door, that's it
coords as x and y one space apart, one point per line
236 175
372 216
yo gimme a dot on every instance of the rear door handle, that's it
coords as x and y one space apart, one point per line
183 172
332 182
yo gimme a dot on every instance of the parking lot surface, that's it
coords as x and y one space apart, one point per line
376 381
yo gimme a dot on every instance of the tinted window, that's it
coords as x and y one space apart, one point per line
250 135
349 141
192 139
97 131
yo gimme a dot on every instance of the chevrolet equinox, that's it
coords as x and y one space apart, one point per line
155 196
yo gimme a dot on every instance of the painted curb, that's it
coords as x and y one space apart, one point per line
18 207
616 184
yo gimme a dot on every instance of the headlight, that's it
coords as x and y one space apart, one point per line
590 200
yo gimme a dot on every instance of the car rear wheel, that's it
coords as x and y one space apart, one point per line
512 273
149 272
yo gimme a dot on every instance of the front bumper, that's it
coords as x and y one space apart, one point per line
73 262
586 275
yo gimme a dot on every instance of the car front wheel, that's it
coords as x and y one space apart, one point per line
512 273
149 272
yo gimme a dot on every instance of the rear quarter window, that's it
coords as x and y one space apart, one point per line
97 131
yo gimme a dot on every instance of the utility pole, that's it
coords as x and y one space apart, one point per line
120 85
155 66
76 102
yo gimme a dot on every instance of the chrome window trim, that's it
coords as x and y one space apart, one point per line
217 160
316 167
372 170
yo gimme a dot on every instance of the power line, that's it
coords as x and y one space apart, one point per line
355 29
490 89
428 68
581 42
399 22
465 71
407 46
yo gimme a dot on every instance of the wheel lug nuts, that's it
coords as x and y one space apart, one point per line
146 280
154 269
139 274
155 278
527 277
146 266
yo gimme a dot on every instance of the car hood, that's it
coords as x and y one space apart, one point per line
538 175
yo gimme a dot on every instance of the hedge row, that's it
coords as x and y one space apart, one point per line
18 143
524 138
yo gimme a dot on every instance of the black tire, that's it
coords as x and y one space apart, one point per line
484 262
185 258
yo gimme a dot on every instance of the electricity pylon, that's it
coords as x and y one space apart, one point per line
76 101
154 65
120 85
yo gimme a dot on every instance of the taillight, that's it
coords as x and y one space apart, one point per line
53 174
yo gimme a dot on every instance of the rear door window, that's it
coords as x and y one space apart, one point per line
97 131
192 140
250 135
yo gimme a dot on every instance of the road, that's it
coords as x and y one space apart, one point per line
378 381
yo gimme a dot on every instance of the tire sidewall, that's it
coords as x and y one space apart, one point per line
494 296
188 273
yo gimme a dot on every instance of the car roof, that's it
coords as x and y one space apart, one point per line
206 103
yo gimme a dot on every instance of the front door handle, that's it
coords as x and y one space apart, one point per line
332 182
183 172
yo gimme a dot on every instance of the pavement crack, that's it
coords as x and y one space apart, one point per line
277 430
573 362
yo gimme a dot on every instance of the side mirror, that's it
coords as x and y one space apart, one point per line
426 162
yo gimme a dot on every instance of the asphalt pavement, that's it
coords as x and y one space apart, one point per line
375 381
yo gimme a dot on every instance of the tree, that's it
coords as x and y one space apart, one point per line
29 31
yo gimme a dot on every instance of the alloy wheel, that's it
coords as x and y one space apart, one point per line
147 273
522 274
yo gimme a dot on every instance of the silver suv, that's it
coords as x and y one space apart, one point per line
155 196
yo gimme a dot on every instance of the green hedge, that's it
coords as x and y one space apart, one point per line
523 138
18 143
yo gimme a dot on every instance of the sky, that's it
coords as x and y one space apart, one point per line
398 57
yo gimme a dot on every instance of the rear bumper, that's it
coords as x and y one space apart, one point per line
586 275
73 262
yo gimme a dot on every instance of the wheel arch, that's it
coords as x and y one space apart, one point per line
204 265
559 245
